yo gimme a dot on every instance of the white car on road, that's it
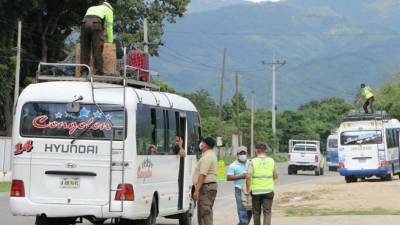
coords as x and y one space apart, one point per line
305 155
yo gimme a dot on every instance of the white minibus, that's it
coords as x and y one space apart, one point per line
97 151
368 146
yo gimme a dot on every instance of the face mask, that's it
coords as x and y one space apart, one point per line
242 158
201 146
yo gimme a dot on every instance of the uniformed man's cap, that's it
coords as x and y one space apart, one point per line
261 146
209 141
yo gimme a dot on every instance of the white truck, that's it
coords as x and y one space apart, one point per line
305 155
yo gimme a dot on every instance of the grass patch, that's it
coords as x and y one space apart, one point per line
280 157
301 212
5 186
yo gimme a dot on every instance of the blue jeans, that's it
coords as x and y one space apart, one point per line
244 215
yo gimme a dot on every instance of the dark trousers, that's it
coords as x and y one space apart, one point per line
92 38
369 102
208 192
262 202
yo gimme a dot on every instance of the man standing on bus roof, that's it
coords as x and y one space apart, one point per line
260 181
205 181
92 37
366 93
237 173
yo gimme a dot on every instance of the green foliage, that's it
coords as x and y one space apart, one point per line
129 15
203 101
47 23
388 98
242 102
164 87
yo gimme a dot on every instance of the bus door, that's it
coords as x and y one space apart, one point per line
181 132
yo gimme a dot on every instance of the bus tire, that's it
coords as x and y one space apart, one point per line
186 218
350 179
387 177
43 220
152 219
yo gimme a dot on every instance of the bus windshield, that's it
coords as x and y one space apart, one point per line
332 143
41 119
361 137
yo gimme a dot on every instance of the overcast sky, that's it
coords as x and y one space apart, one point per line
262 0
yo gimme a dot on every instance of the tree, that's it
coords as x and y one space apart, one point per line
388 99
47 24
203 102
242 102
130 15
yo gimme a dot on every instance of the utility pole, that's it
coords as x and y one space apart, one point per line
145 35
238 108
18 64
275 64
221 93
252 125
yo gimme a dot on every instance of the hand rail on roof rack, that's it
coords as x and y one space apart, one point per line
38 75
131 81
361 117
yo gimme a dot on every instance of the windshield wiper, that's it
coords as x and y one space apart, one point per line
84 131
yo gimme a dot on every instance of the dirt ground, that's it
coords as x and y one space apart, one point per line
378 202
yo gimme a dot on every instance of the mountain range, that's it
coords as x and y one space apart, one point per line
330 47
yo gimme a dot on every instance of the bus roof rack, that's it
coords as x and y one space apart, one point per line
380 115
132 80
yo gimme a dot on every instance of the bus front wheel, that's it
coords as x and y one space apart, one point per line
350 179
387 177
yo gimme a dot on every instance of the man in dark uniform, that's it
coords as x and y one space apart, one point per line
92 35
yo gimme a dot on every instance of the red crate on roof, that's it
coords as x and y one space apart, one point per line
140 60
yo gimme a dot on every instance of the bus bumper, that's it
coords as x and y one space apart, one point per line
25 207
364 173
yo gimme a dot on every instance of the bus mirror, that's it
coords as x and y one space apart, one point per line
73 107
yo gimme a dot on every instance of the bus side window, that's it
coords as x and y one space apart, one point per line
143 129
198 134
158 131
194 133
171 133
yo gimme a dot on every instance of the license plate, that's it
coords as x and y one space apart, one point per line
70 182
362 160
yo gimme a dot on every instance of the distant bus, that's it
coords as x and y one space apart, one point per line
369 146
113 158
332 157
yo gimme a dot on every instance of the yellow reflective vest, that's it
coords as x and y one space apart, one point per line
262 180
366 92
106 14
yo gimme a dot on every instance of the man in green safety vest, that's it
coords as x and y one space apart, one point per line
92 35
260 181
368 96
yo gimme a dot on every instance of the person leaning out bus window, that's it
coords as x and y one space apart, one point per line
178 149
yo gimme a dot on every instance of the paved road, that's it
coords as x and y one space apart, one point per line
224 205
